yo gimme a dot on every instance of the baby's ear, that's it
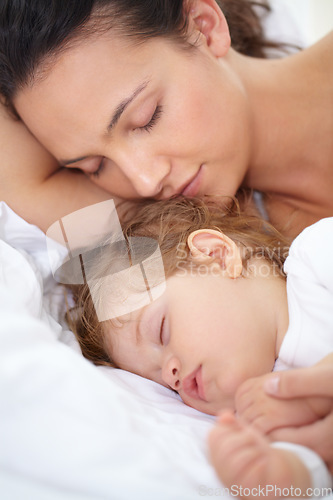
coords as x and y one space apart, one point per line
209 245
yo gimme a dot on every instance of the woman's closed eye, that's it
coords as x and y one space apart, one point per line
153 120
148 127
99 168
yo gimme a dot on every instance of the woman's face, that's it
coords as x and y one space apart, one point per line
143 120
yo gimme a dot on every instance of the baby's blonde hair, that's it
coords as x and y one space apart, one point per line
170 222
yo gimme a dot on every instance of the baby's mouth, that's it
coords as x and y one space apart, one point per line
193 386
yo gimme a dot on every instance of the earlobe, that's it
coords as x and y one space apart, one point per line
209 20
209 245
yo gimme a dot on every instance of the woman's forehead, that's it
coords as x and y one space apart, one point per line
84 87
96 54
86 57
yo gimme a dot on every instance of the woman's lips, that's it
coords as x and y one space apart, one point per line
193 186
192 385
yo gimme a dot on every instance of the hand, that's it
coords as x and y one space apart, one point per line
246 462
265 413
304 384
234 450
315 380
317 436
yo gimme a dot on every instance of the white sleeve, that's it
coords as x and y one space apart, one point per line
309 269
321 479
310 256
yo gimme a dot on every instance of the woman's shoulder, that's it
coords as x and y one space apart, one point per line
321 52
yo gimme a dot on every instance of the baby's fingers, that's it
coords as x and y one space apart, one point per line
246 395
233 447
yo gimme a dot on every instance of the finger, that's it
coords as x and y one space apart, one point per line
252 414
232 433
238 466
226 417
229 446
317 436
244 401
264 424
303 382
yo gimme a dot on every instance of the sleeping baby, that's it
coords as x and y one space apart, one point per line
226 319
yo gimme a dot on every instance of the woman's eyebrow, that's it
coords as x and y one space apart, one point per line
114 119
123 105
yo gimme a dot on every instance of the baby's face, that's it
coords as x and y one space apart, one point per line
203 337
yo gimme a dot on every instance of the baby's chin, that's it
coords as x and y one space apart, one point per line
209 407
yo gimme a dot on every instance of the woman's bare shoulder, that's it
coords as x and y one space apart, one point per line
322 51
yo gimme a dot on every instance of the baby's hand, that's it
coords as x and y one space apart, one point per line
256 407
245 460
236 451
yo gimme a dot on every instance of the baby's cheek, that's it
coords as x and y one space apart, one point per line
227 387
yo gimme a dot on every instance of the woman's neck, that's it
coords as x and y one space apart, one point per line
291 117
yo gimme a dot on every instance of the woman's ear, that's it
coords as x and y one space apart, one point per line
208 18
210 245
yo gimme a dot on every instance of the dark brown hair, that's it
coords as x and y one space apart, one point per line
33 32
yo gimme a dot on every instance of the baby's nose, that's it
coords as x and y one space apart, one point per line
170 373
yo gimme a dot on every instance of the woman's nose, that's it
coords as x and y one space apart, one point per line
171 373
147 175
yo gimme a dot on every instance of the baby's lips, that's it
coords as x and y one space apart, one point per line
193 386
